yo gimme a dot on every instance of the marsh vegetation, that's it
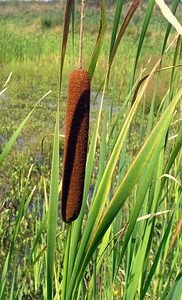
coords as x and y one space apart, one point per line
127 242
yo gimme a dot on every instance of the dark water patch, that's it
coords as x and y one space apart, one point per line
96 101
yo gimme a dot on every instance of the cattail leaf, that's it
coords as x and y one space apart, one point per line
146 76
117 17
96 209
102 153
130 179
157 130
53 211
66 263
169 26
142 190
169 15
136 268
73 28
67 17
100 39
148 15
173 82
176 290
122 30
11 297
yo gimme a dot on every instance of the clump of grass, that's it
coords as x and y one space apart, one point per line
49 21
46 22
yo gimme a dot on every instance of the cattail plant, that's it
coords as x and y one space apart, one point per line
76 137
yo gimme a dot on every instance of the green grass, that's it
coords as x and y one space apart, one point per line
126 243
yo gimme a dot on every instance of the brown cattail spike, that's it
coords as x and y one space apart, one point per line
75 147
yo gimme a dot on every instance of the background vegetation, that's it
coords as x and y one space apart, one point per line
126 243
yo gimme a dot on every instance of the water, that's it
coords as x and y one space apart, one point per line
96 100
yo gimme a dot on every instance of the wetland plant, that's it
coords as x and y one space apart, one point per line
128 244
76 140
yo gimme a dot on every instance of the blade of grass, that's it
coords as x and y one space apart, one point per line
100 39
67 17
53 211
176 290
73 29
66 263
11 297
169 26
169 15
117 17
149 11
122 30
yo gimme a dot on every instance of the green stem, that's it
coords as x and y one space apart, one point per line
66 262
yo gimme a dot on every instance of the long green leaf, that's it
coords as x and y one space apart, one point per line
149 11
130 179
53 211
54 185
67 17
169 26
176 291
122 30
117 17
142 191
100 40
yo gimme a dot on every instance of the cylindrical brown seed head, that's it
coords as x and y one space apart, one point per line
75 146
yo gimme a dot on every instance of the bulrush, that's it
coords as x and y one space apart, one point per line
75 145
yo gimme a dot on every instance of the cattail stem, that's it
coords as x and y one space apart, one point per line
81 34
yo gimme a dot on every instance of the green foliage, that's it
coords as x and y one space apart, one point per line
126 242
